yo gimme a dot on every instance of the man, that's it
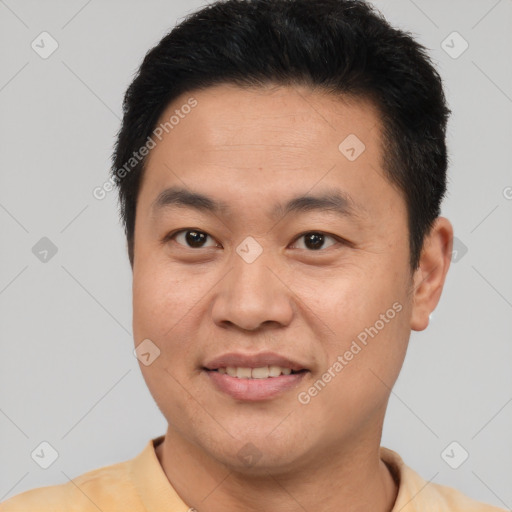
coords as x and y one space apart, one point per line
281 166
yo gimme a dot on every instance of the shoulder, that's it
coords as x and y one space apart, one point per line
450 499
107 488
417 494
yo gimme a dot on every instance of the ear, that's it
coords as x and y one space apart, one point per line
430 275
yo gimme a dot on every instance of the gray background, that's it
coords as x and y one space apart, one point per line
67 372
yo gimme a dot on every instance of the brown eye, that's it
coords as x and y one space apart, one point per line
315 240
193 238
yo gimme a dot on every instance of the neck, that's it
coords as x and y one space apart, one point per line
355 480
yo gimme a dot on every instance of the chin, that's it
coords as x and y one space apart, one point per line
251 460
255 452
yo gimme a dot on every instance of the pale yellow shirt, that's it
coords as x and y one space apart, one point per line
140 485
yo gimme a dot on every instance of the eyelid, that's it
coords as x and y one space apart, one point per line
170 236
336 238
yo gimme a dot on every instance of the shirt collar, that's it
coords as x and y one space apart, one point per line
157 493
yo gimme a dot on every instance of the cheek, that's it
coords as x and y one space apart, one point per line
170 308
160 299
369 320
363 362
163 313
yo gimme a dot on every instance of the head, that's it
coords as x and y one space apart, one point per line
241 111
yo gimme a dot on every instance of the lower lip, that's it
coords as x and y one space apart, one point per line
254 389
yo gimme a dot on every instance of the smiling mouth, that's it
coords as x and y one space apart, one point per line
263 372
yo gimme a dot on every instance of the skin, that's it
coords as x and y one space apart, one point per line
253 148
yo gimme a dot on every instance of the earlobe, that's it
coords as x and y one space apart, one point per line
429 277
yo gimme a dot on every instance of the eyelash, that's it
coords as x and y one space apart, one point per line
337 239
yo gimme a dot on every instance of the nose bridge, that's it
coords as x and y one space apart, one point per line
251 293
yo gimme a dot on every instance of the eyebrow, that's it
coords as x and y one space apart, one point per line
331 200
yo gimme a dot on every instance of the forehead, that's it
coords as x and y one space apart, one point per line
266 143
278 122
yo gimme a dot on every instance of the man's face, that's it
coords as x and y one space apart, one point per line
253 279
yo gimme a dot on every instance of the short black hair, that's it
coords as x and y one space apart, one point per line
339 46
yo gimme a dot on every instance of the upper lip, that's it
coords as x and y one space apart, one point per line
241 360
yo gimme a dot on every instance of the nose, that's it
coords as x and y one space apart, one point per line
252 294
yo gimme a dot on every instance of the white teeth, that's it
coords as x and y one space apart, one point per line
260 373
275 371
263 372
243 373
